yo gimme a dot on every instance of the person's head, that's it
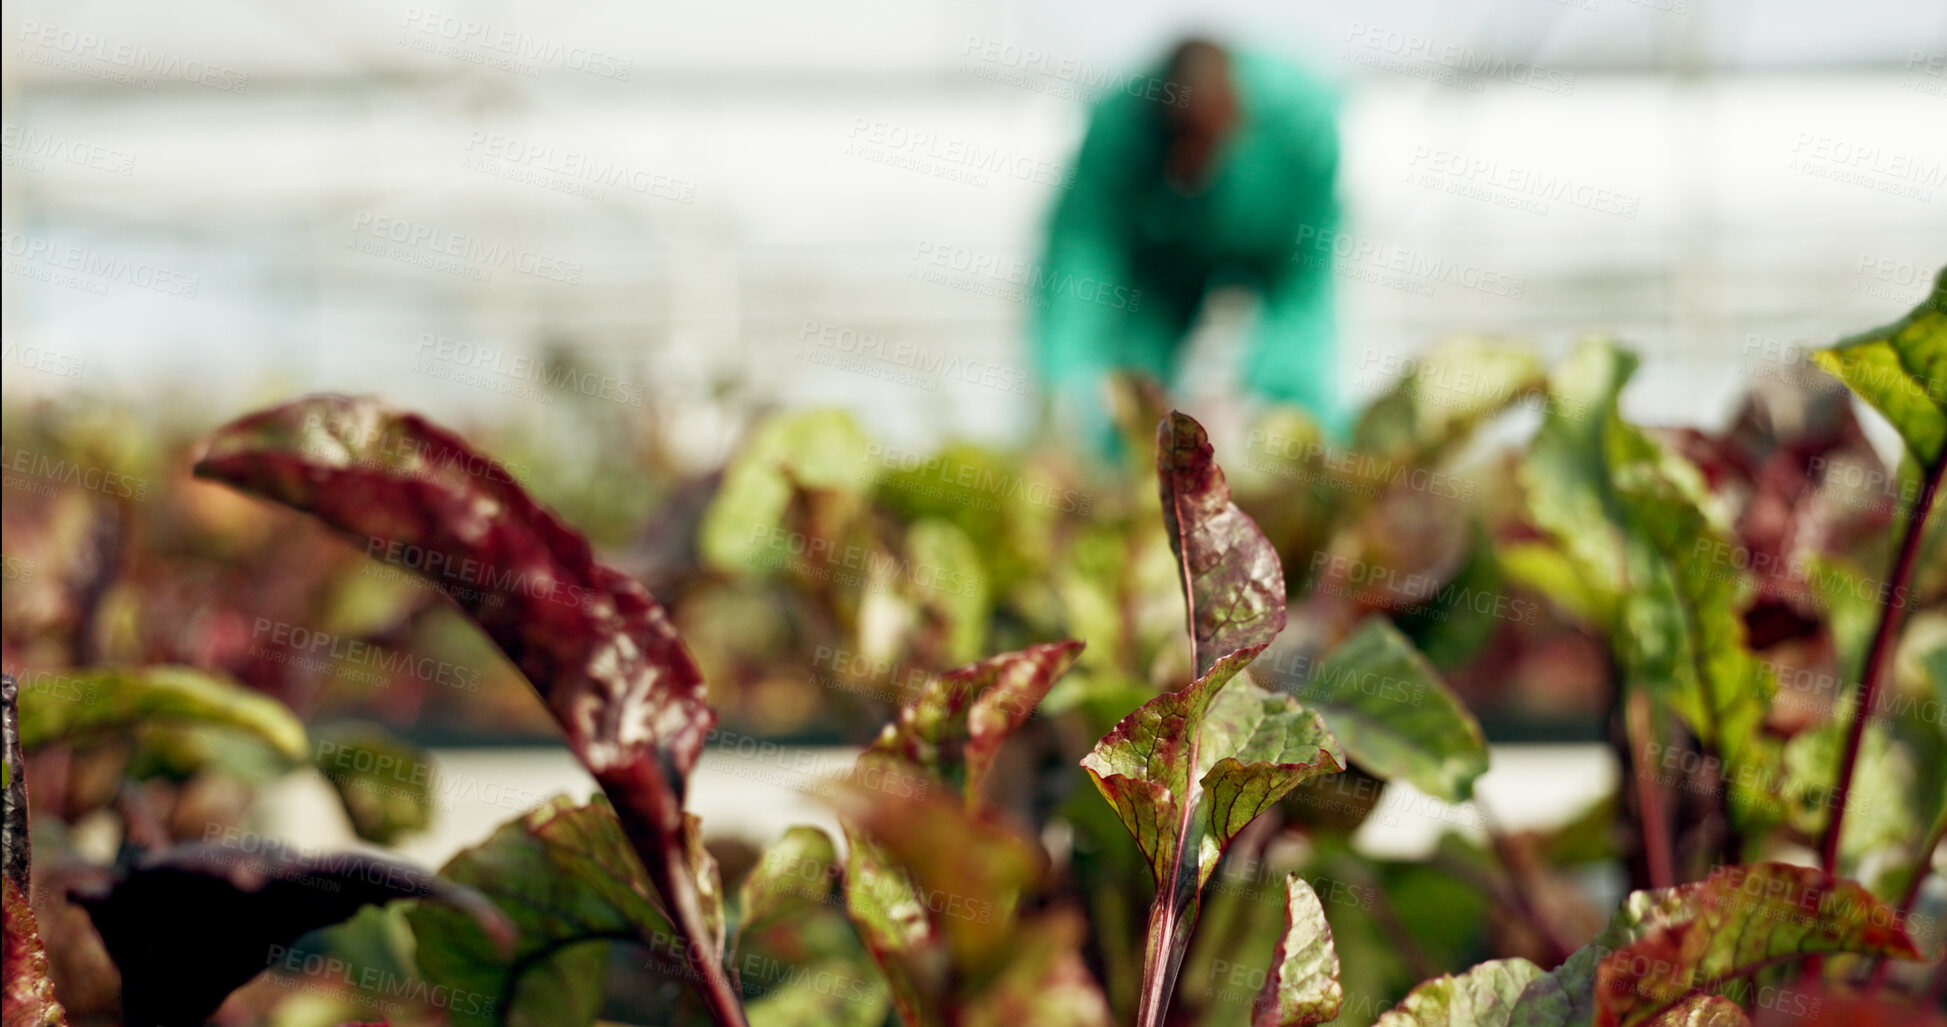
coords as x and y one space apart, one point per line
1199 112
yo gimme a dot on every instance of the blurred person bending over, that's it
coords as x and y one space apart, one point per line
1213 177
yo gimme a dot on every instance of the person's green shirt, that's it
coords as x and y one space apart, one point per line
1129 257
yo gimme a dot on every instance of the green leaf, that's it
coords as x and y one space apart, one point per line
565 876
1739 920
1394 714
1549 570
954 727
948 579
1256 747
1189 769
1684 637
828 992
1302 988
1628 514
109 700
1497 993
1183 764
384 782
1232 582
891 918
1663 950
818 449
1567 470
794 874
1447 392
1901 369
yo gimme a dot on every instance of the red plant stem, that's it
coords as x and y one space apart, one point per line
678 888
1516 895
1878 657
1657 847
1168 942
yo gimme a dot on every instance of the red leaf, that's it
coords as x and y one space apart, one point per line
1232 581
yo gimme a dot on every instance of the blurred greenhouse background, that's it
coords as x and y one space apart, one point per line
207 204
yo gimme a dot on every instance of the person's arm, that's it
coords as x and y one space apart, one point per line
1086 258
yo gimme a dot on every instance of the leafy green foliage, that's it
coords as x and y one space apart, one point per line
1395 716
117 700
1190 769
1739 920
1901 369
1628 515
977 882
1302 988
384 782
564 876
